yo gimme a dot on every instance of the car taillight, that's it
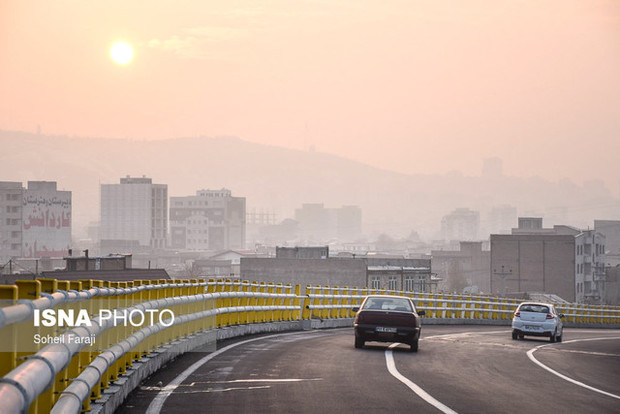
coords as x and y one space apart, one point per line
549 316
517 314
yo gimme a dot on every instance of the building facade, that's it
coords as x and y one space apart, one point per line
35 221
461 224
134 215
562 260
467 268
11 200
210 220
379 273
318 252
611 230
590 267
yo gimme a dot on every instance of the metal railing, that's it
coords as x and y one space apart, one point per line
80 362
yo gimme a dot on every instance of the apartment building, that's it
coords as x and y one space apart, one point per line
134 215
210 220
11 199
35 222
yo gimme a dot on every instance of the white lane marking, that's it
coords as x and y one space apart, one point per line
158 402
188 390
530 355
389 359
256 380
193 384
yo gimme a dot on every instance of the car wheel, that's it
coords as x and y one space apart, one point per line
521 336
515 335
552 337
558 338
413 347
359 342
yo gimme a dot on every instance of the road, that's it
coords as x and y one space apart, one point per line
462 369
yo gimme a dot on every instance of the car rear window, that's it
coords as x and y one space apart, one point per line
388 304
534 308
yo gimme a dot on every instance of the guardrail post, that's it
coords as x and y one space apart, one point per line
254 315
326 302
227 302
193 307
306 313
244 317
271 301
219 303
262 302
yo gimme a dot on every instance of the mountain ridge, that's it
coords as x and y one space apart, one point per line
281 179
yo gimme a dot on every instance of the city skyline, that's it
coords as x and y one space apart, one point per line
413 87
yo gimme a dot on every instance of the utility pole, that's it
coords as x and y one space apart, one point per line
503 275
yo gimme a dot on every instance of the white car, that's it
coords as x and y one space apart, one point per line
537 319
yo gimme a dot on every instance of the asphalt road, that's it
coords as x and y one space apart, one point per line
462 369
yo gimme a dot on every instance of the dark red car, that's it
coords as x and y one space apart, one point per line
387 318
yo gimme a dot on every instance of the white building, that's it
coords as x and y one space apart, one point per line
462 225
589 267
209 220
134 215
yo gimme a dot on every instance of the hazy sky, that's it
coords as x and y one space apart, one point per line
413 86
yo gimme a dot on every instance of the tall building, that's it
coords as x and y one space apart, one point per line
11 200
590 267
35 222
134 215
209 220
561 260
462 225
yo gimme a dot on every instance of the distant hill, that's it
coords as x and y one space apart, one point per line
279 179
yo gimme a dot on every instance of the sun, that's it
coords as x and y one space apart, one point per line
121 53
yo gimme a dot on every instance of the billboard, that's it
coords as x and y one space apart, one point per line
46 223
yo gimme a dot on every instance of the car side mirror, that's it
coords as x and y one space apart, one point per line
561 315
355 309
422 313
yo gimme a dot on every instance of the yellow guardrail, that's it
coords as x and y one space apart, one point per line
63 374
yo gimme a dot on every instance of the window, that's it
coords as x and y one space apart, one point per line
534 308
409 284
388 304
375 282
392 283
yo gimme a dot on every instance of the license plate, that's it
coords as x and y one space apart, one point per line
384 329
532 327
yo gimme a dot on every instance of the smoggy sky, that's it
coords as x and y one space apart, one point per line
412 86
